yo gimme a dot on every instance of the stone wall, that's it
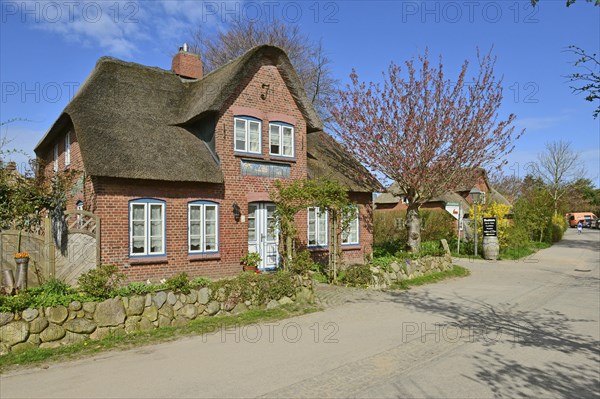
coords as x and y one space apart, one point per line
409 270
62 325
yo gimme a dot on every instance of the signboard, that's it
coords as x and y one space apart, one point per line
264 169
490 228
453 208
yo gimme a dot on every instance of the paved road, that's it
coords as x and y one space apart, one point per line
511 329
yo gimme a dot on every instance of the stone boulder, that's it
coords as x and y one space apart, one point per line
188 311
38 325
6 318
272 304
159 299
30 314
15 332
53 332
151 313
213 307
110 313
203 296
136 305
239 308
80 326
57 314
171 298
75 306
285 301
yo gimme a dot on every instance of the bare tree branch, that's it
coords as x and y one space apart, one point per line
309 58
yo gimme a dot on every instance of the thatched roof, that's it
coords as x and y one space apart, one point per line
128 117
326 158
393 194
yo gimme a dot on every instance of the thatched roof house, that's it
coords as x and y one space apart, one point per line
156 145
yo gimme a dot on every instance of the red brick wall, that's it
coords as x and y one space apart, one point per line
84 190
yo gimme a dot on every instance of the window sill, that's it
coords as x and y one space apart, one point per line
151 260
201 257
351 247
318 248
248 155
279 158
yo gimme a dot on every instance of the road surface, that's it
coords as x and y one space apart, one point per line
526 328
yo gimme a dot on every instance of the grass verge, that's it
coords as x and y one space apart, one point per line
456 271
206 325
523 251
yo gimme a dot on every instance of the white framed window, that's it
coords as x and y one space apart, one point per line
350 234
67 149
317 227
281 140
247 137
203 227
146 227
55 158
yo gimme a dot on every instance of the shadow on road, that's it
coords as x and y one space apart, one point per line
547 330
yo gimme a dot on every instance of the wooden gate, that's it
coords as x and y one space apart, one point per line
81 253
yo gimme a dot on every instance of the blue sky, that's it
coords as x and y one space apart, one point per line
48 48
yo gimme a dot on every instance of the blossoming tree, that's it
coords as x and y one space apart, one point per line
424 131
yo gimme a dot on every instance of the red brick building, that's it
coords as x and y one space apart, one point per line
179 166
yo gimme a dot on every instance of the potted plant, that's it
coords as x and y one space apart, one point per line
250 261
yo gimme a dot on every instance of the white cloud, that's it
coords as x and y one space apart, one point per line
537 123
113 26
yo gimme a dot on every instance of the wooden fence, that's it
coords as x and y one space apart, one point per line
80 254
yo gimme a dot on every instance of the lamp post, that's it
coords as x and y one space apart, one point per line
475 196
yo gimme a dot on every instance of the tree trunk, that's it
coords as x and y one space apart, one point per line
413 225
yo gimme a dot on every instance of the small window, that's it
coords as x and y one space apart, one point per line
79 205
55 157
247 135
203 227
67 149
147 227
281 140
350 233
317 227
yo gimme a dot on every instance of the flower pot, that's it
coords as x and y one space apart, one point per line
249 268
22 269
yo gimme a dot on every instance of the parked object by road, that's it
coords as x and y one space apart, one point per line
575 217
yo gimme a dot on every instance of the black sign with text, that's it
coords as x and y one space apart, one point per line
489 227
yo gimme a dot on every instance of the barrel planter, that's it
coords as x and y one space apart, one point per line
491 248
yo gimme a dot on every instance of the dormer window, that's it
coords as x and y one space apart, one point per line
247 135
281 139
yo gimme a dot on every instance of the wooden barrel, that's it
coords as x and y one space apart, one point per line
491 248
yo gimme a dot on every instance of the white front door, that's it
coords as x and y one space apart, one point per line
263 234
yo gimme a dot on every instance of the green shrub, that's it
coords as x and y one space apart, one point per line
302 263
357 276
199 282
557 232
431 248
139 289
179 282
101 282
52 286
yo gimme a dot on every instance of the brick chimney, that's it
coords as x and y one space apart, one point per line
186 64
11 167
